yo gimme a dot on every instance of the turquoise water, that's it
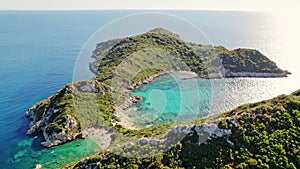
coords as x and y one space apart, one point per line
31 153
172 98
38 51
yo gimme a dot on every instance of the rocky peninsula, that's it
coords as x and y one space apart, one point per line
57 119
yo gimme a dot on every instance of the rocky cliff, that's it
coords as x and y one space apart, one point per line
56 117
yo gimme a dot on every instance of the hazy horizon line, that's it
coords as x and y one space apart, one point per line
134 9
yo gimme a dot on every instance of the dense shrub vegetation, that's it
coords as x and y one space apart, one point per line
202 59
62 102
264 135
248 60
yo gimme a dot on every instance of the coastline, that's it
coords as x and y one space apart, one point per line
255 75
135 99
148 80
157 75
228 74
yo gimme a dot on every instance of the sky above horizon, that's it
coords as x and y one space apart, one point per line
261 5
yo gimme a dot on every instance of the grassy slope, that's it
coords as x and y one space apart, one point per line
248 60
165 43
198 58
62 101
265 135
159 47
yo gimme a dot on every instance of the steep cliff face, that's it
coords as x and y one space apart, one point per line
71 130
55 118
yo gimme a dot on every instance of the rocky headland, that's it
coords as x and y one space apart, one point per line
56 117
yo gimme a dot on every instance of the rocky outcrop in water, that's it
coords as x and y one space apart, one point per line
128 103
57 124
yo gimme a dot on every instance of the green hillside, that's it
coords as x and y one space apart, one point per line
263 135
123 63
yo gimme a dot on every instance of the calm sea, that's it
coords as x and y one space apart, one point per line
38 51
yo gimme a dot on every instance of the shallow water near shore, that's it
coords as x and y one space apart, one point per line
176 98
171 98
32 153
39 50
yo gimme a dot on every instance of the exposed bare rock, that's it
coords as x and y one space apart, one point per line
56 138
38 166
58 124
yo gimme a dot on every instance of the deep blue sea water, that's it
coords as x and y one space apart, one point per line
38 51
